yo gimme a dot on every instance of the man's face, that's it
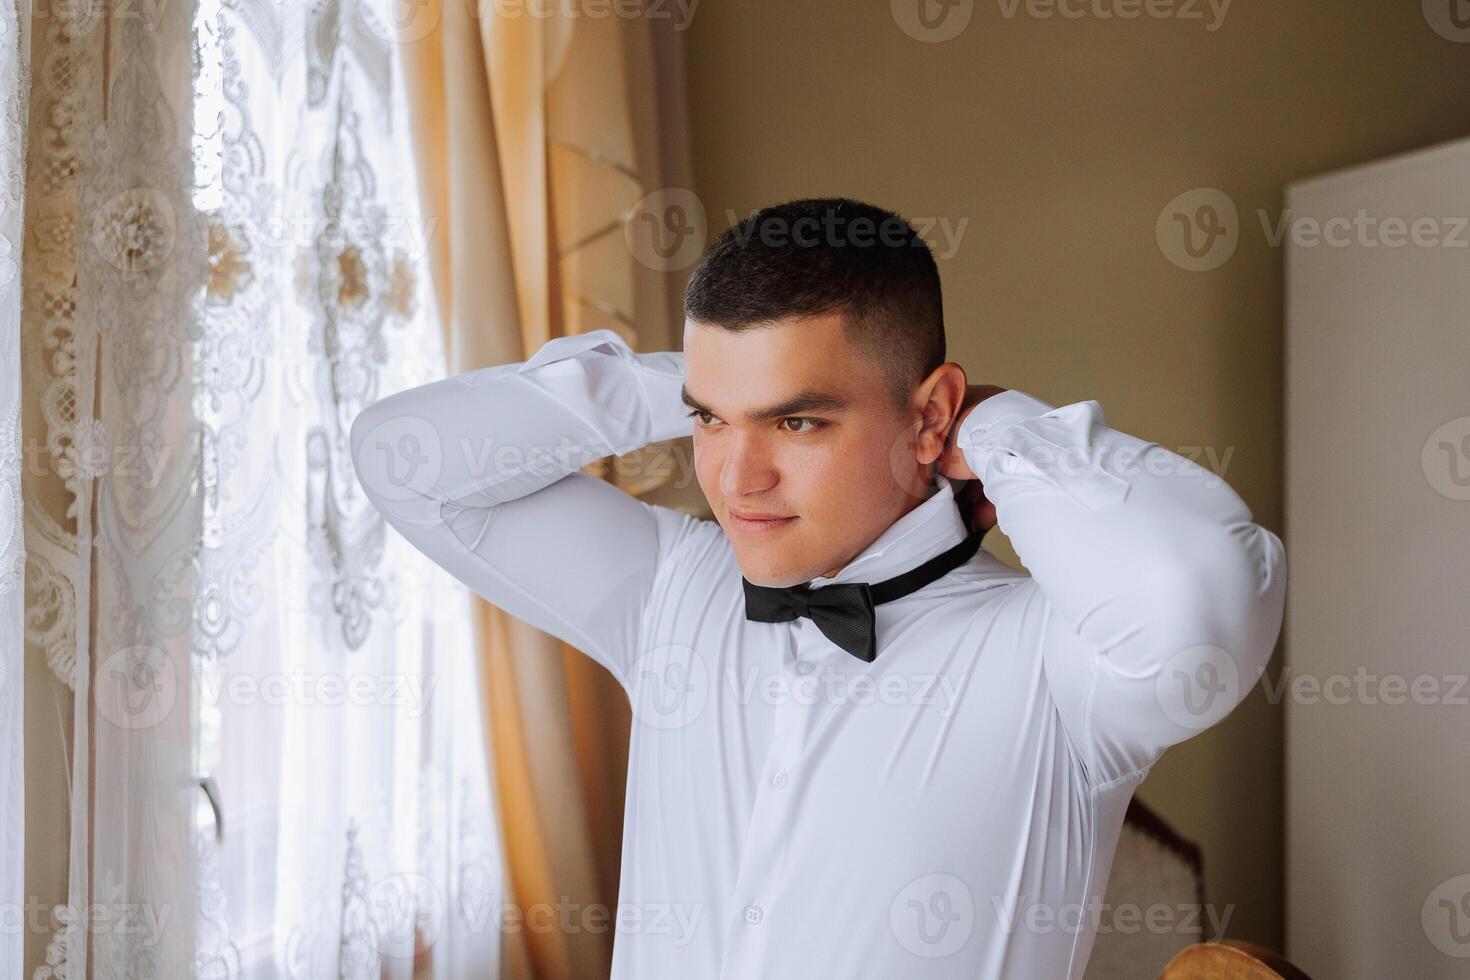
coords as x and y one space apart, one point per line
803 455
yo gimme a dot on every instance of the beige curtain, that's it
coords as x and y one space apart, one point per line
536 138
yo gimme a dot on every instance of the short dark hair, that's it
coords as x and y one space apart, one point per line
829 255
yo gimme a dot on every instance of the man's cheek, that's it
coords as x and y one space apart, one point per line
707 472
826 474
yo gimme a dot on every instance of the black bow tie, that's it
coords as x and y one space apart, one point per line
844 612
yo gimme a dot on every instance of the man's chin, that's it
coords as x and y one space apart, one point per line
776 574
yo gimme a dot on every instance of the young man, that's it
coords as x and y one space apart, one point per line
862 747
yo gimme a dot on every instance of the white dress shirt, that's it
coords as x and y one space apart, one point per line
947 811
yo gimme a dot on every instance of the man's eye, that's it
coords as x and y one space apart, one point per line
811 425
705 418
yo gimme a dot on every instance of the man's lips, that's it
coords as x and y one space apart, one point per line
756 521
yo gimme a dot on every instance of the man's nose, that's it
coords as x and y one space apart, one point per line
747 467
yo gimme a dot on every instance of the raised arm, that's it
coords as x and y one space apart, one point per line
1162 601
480 473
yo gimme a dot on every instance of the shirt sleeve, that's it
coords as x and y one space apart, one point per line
1159 601
480 472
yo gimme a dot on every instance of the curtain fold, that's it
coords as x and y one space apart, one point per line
14 109
537 139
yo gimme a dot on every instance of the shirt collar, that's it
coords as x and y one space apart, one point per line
930 528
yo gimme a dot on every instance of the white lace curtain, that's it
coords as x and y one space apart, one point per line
14 88
253 735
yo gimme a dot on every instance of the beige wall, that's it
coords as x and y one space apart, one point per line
1060 141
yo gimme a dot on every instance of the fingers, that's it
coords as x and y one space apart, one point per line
976 508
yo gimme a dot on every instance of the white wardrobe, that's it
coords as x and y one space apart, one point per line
1378 549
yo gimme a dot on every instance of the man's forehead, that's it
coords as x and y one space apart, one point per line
763 365
817 345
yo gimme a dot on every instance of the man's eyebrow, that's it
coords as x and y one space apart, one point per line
800 403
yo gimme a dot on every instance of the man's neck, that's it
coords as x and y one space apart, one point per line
911 502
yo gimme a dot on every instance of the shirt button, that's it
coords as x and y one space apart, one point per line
778 778
805 666
753 913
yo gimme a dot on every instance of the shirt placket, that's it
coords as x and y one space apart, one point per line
767 840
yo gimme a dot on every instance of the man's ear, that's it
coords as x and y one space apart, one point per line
940 396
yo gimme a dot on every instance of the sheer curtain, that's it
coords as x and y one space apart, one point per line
14 93
252 721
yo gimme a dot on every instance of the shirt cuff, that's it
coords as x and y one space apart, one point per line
662 377
1058 446
996 414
